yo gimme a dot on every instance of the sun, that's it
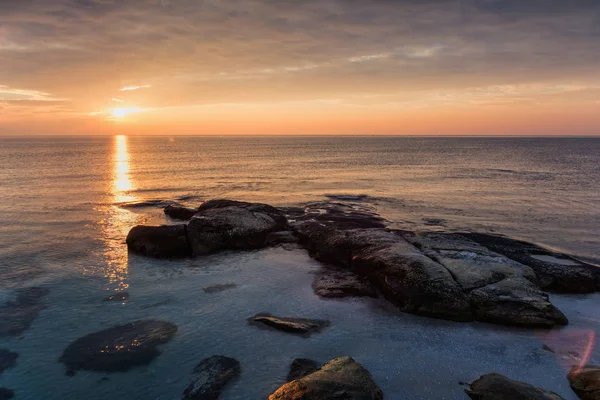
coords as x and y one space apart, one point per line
123 112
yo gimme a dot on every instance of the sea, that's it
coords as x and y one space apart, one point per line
65 210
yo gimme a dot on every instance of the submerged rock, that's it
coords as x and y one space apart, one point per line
8 359
301 367
210 377
555 271
299 326
148 203
500 289
586 382
17 315
219 288
340 378
6 394
178 212
165 241
498 387
225 224
119 348
338 283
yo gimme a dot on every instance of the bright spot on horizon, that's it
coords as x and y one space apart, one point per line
121 112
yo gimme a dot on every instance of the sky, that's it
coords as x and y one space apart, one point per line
204 67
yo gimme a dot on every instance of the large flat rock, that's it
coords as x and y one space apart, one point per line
500 289
555 271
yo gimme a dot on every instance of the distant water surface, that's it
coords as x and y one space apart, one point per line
61 227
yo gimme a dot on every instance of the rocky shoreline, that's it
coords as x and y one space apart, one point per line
461 277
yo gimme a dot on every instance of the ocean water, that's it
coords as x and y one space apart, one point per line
62 228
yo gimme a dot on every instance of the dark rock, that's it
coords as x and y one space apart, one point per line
586 382
166 241
17 315
119 348
149 203
555 271
338 283
282 237
210 377
414 282
219 288
498 387
340 216
178 212
340 378
121 296
300 326
6 394
500 289
224 224
8 359
301 367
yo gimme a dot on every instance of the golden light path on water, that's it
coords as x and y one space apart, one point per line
117 221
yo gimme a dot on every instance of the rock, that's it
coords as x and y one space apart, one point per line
166 241
555 271
498 387
414 282
337 215
300 326
338 283
178 212
282 237
225 224
8 359
340 378
121 296
119 348
500 289
301 367
17 315
586 382
148 203
6 394
219 288
210 377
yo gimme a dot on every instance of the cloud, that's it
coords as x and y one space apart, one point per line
131 88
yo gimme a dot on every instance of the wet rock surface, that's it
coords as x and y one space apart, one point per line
8 359
179 212
6 394
499 289
406 277
225 224
339 283
586 382
210 377
17 315
338 215
301 367
166 241
555 271
118 349
340 378
219 288
299 326
498 387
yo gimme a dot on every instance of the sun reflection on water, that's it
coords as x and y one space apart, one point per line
117 221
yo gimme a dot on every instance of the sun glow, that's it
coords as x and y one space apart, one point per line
121 112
